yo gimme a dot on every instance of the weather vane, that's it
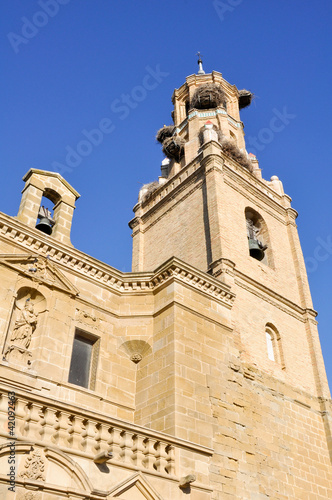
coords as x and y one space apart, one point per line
200 64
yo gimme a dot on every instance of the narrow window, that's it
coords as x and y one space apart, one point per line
83 363
274 346
269 343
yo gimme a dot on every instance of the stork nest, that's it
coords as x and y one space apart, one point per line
245 98
208 96
231 149
149 190
173 147
164 133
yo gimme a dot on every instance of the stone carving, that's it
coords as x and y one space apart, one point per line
29 305
34 466
25 325
87 318
136 349
29 496
38 267
253 230
136 357
186 481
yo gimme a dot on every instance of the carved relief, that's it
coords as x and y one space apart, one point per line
25 325
136 349
34 466
87 318
29 496
39 269
28 307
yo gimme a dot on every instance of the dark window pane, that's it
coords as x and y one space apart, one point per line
80 361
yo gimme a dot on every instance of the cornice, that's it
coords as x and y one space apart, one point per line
51 174
235 176
272 297
173 185
257 189
101 274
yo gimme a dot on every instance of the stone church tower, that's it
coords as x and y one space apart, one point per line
199 375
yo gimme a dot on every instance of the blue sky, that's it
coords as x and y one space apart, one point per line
69 65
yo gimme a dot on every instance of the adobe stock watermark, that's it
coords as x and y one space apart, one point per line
223 7
121 107
277 124
30 27
321 253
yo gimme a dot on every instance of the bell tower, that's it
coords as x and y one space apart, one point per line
212 209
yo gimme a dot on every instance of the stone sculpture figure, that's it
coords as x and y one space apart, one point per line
25 325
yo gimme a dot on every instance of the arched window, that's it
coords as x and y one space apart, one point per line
270 345
258 237
273 345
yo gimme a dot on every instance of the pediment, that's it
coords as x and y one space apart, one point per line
136 487
39 269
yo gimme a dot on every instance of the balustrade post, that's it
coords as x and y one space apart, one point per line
138 450
170 467
48 424
35 420
102 438
20 416
26 407
75 432
89 434
161 457
126 445
114 443
61 429
4 411
149 453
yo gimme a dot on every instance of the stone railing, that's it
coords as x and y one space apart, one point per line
80 434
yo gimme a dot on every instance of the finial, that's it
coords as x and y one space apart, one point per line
200 64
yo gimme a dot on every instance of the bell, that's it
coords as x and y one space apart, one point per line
256 249
44 225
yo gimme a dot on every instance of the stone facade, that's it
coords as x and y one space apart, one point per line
204 373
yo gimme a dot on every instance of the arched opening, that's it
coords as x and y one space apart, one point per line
258 237
273 345
45 214
270 345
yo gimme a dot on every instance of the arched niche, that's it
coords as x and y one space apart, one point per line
26 322
259 244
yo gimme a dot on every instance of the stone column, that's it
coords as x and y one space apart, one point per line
63 215
30 203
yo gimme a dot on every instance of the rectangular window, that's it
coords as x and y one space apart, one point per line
83 365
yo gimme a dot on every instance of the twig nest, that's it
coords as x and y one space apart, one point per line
164 133
245 98
208 96
173 147
147 191
231 149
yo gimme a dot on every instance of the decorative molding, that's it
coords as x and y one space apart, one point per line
269 296
138 482
40 270
34 466
262 193
122 283
88 319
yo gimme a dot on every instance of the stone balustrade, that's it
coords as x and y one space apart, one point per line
73 433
